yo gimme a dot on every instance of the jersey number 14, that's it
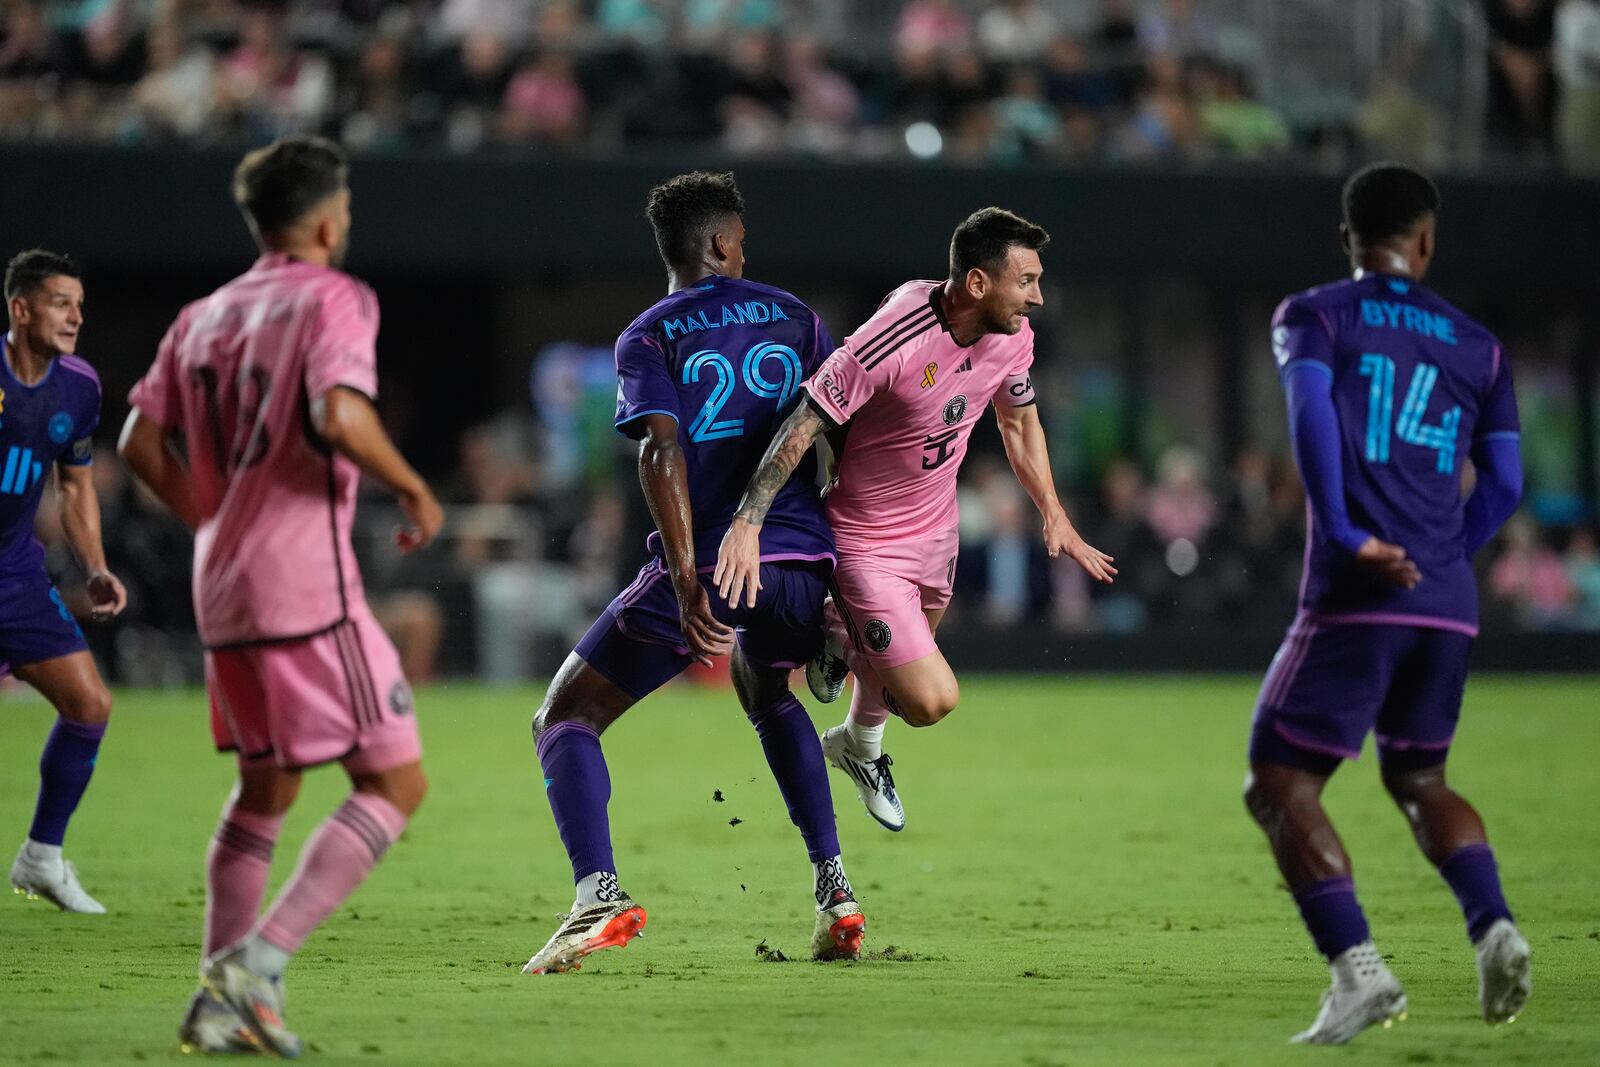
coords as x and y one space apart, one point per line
1381 421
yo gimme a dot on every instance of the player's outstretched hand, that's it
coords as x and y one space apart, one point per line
739 563
107 596
705 635
1388 562
1060 538
423 515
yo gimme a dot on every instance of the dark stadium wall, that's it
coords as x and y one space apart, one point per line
498 214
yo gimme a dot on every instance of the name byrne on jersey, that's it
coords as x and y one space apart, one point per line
1395 316
743 314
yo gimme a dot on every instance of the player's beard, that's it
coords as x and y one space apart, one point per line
1002 323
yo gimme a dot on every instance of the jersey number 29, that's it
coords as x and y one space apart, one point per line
706 426
1381 423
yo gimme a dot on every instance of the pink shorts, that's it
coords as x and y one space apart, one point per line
881 596
337 696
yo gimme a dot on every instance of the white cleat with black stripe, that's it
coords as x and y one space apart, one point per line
874 782
608 924
826 673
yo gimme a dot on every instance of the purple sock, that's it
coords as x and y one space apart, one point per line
1333 916
65 768
795 756
1474 877
579 787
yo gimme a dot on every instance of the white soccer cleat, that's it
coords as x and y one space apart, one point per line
872 777
840 929
211 1026
1364 993
827 671
1504 978
255 998
55 880
609 924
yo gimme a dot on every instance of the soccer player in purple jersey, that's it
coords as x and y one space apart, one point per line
704 378
1389 389
49 408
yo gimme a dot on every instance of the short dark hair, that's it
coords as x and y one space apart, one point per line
684 211
986 236
277 185
28 270
1385 200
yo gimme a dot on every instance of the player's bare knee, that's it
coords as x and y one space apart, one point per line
89 704
1411 787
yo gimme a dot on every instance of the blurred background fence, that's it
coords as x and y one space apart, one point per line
1185 155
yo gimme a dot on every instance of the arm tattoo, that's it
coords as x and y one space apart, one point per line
794 439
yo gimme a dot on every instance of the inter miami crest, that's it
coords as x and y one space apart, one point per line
400 698
955 410
878 635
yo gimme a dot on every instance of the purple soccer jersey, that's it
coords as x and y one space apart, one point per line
1417 385
725 358
52 421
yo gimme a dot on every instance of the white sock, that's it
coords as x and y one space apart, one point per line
264 958
866 740
47 854
598 888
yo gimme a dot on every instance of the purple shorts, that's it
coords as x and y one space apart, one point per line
638 645
1331 683
35 624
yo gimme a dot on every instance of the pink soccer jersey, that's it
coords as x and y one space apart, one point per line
911 396
236 374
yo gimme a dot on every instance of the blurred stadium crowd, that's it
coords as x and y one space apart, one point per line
980 81
530 555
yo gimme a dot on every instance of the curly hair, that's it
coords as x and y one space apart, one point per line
684 212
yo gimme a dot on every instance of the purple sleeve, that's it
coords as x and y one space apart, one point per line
1498 415
1300 332
644 385
1497 458
824 347
1314 430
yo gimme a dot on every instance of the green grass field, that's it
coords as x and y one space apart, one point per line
1078 884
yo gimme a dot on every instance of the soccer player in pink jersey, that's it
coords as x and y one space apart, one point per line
270 380
910 384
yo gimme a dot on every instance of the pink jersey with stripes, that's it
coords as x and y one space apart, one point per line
236 375
911 396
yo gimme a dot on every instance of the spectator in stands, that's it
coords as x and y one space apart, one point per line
472 85
1583 568
1181 505
32 66
825 104
1577 67
1236 124
544 103
1027 127
376 105
932 26
1178 29
1530 578
508 21
1162 127
1015 31
268 87
1521 79
638 22
177 97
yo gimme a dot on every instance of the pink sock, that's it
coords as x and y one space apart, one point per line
333 863
236 873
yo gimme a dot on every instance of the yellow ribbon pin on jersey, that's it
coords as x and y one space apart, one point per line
927 375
